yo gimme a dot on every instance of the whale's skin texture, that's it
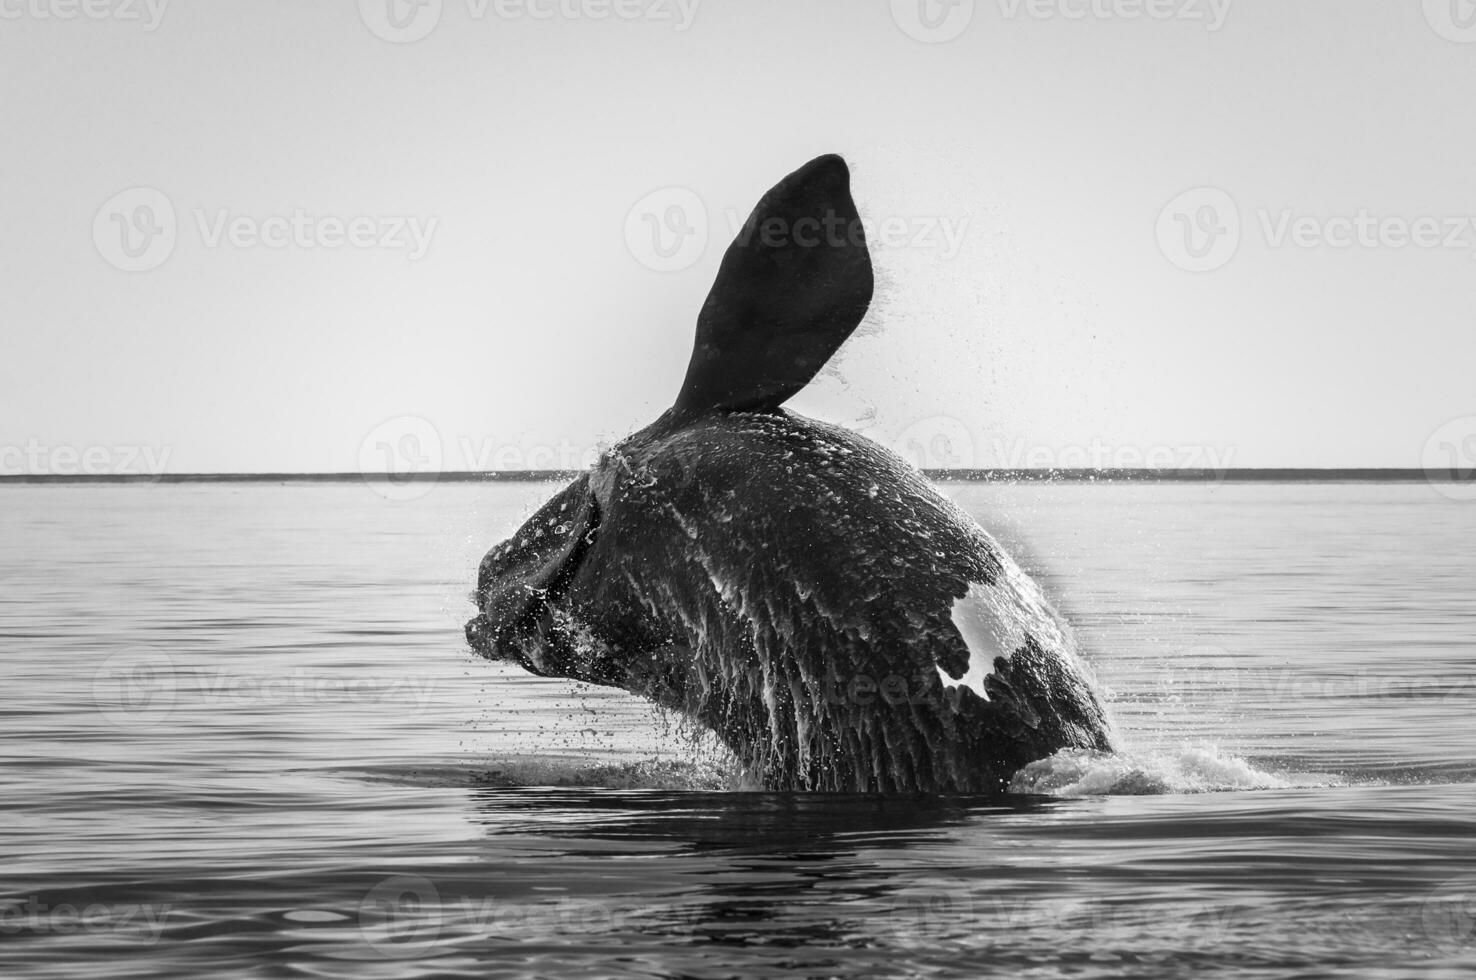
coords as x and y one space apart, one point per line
792 586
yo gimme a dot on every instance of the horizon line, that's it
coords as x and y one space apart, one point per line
972 475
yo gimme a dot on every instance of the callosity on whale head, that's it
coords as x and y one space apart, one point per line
800 590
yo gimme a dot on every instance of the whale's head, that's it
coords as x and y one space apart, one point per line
799 589
527 593
560 597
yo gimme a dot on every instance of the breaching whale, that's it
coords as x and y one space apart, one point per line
800 590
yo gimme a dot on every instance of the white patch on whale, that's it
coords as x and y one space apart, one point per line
994 620
977 617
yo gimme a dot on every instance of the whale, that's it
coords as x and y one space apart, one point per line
807 595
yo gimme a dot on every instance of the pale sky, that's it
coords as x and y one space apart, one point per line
1037 296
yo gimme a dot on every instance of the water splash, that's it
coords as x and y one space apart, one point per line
1191 768
708 775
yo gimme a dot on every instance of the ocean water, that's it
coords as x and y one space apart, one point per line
240 735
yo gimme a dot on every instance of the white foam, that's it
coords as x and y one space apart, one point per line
1191 768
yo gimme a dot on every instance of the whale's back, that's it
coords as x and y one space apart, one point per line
818 580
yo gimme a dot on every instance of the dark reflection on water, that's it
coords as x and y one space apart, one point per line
239 736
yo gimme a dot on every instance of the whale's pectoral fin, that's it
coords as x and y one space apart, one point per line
792 287
521 574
